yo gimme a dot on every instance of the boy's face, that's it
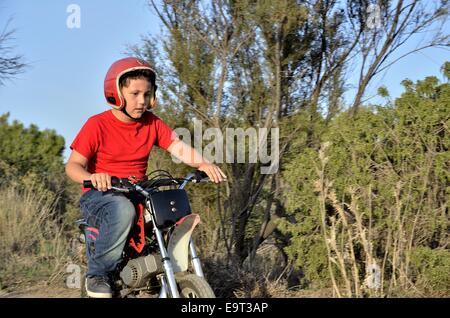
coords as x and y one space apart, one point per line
137 96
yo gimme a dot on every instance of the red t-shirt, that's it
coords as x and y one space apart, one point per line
118 148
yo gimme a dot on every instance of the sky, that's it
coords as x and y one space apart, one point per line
63 86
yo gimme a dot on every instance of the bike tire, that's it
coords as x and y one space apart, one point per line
193 286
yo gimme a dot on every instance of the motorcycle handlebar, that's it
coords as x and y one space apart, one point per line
200 176
115 182
196 176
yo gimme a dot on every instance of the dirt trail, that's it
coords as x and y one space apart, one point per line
42 291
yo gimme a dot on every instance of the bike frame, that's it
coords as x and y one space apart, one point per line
168 284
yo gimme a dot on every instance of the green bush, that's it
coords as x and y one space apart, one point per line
386 169
431 268
35 198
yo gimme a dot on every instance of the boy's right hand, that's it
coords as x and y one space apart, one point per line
101 181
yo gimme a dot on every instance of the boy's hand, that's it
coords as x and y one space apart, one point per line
101 181
214 173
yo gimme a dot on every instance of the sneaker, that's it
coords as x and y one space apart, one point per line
98 287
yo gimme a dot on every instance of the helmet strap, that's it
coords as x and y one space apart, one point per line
123 110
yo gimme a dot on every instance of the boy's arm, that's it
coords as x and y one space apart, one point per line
192 158
76 167
76 170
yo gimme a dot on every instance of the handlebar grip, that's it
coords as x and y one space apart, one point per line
200 175
88 184
114 182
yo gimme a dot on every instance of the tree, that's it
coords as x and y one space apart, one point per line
10 64
388 27
272 64
29 150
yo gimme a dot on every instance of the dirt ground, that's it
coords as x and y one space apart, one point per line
41 290
59 289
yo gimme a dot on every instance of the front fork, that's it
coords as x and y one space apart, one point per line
169 285
196 264
167 265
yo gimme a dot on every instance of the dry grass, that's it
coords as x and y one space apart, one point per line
32 244
234 281
350 228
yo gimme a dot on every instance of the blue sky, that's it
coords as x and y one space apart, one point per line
64 85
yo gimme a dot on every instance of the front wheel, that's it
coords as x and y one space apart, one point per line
193 286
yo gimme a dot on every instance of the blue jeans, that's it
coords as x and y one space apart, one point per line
110 216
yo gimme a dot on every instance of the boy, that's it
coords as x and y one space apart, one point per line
118 142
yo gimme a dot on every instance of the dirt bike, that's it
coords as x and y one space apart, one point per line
155 260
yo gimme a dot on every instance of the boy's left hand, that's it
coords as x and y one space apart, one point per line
214 173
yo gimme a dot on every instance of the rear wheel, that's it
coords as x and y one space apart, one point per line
193 286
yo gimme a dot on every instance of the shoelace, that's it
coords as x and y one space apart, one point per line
101 279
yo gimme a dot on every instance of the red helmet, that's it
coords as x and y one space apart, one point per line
111 86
